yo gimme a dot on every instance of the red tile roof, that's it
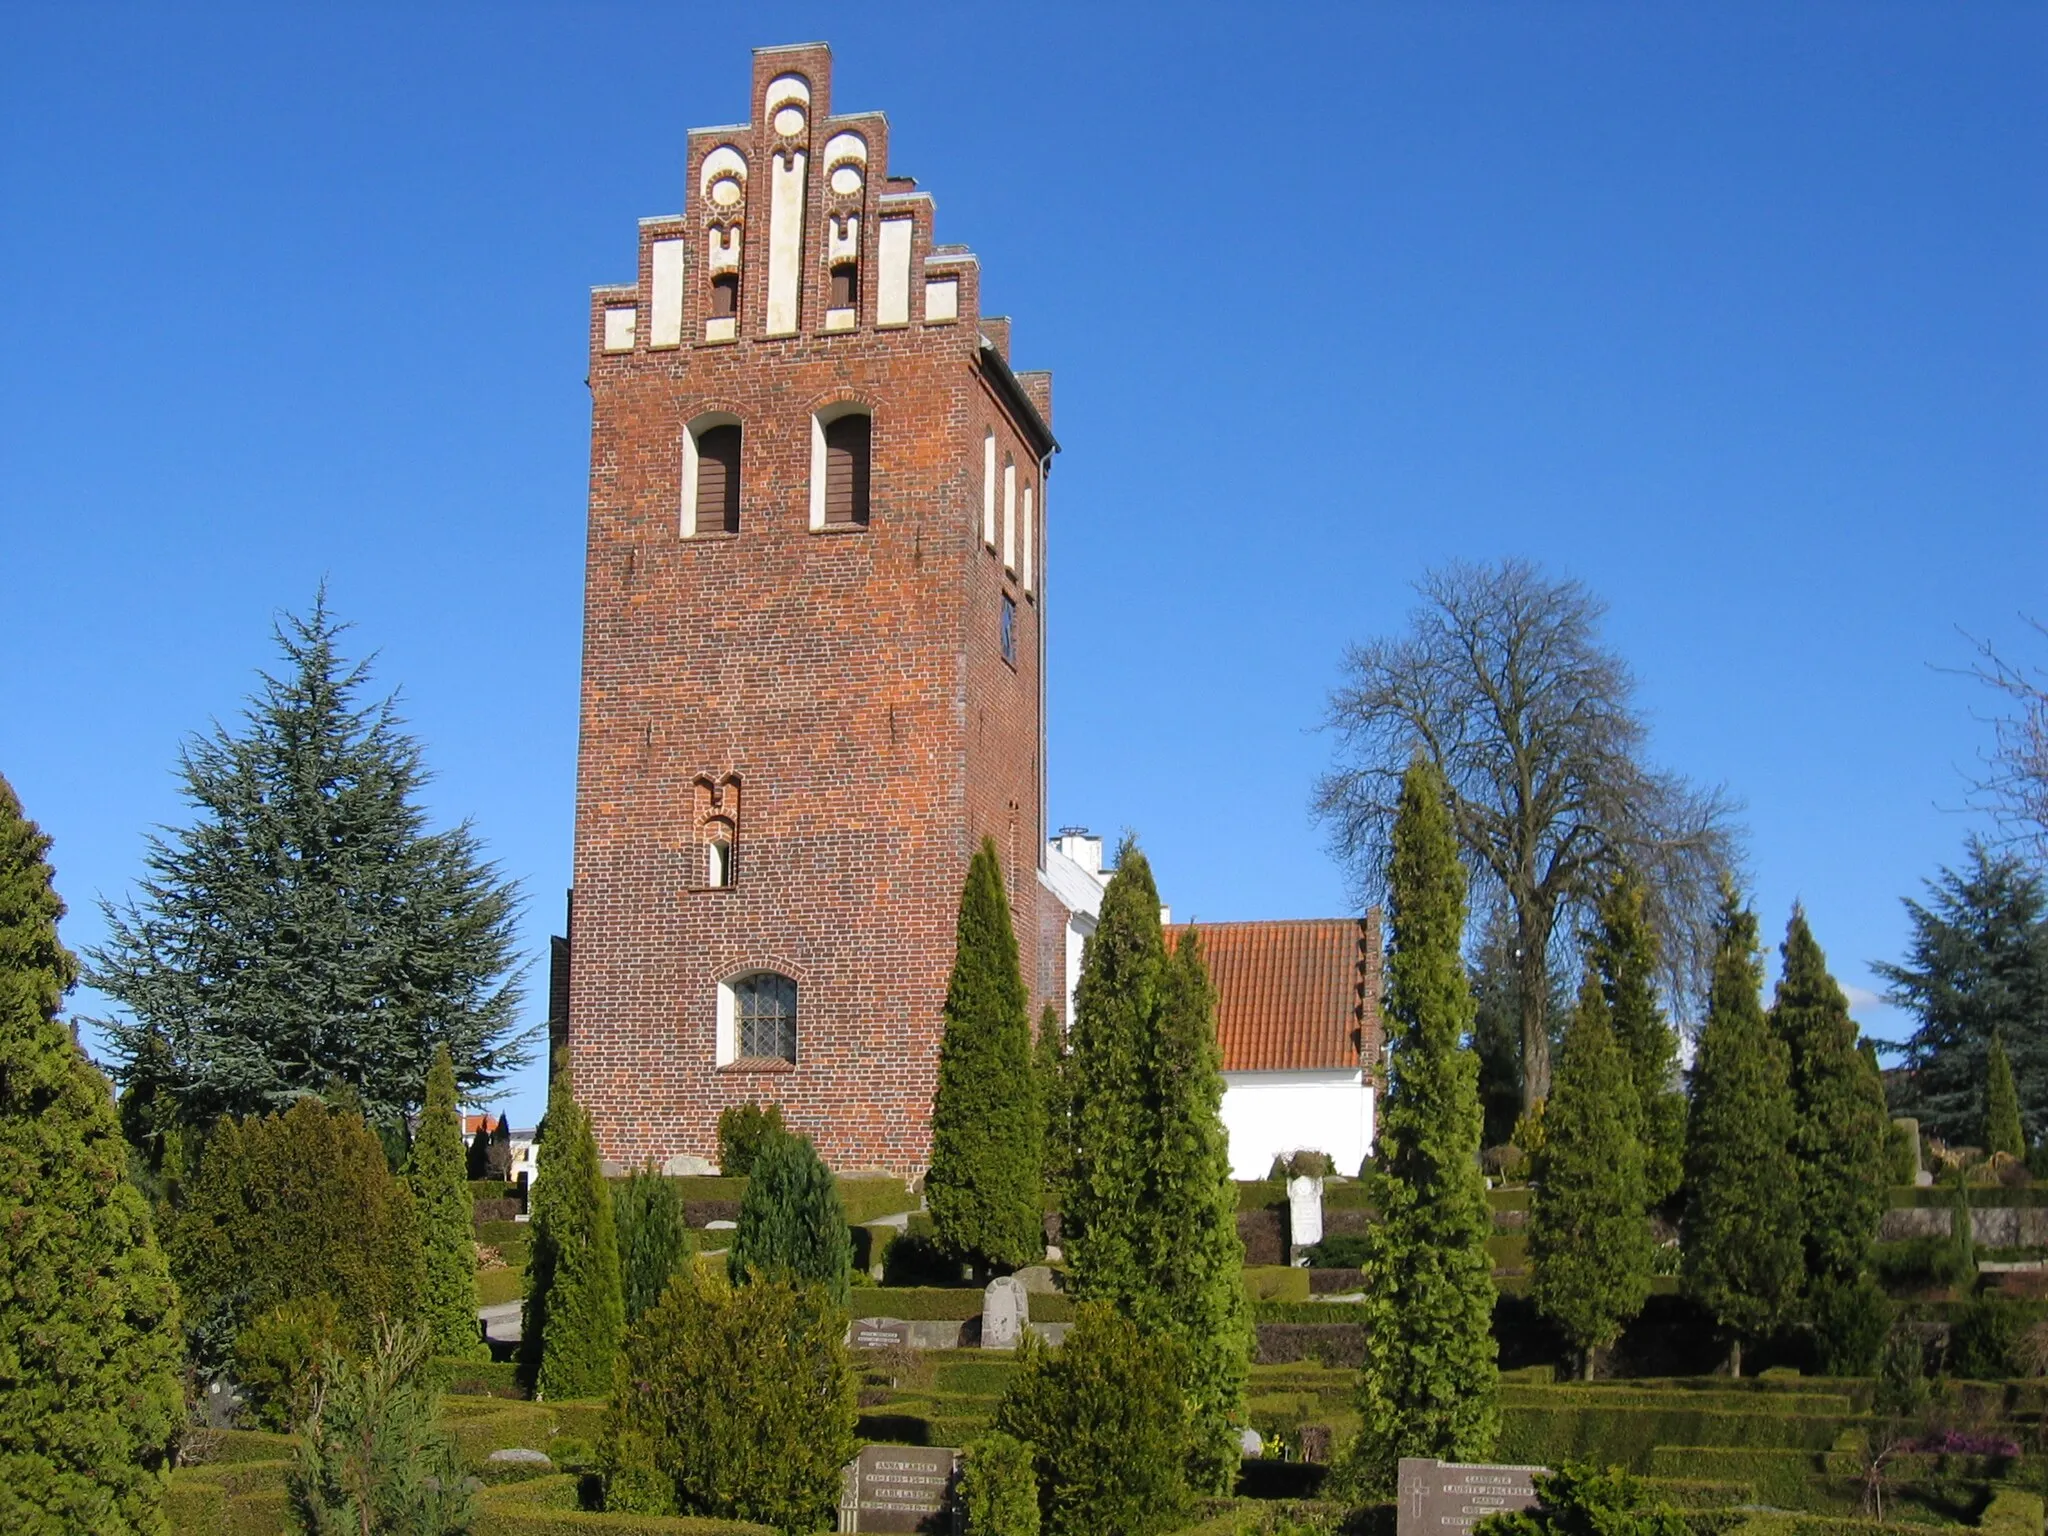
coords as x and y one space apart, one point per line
1293 996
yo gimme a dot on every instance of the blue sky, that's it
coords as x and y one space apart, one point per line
1734 312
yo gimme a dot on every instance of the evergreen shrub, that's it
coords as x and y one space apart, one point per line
791 1224
281 1357
575 1311
985 1188
743 1130
1108 1426
1982 1343
292 1206
654 1239
735 1403
1582 1499
373 1455
998 1487
436 1173
89 1323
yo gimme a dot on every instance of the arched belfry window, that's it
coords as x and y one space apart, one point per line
725 295
712 863
757 1018
841 437
711 475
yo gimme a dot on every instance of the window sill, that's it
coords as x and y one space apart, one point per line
765 1065
712 536
839 528
711 890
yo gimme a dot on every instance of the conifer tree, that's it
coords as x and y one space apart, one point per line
288 1208
984 1189
1975 967
1194 1252
1842 1140
1103 1221
1627 954
1430 1386
308 928
654 1237
1049 1069
436 1171
2002 1131
1743 1236
90 1402
575 1312
1589 1231
1148 1212
792 1226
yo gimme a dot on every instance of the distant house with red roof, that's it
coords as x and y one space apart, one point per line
1297 1016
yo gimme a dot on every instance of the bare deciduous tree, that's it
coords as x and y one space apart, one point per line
1501 680
2015 782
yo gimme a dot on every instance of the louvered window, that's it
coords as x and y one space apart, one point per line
845 286
846 471
718 480
725 295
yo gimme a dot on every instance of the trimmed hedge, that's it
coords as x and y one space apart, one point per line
479 1378
495 1287
547 1506
1984 1197
1275 1282
1306 1311
1632 1435
1334 1345
1253 1516
945 1304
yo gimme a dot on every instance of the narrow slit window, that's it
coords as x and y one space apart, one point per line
718 870
847 441
718 480
1009 629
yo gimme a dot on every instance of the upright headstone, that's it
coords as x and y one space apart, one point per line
1005 1309
1448 1498
1304 1213
900 1488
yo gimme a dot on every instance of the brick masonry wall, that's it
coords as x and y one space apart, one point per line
850 680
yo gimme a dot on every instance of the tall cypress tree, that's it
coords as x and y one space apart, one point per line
437 1170
1589 1230
988 1131
2002 1132
1194 1252
1049 1069
575 1309
1743 1234
1843 1131
1430 1386
308 929
1103 1221
792 1225
1148 1212
1625 953
89 1397
654 1237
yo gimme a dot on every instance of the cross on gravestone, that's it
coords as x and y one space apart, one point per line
901 1488
1005 1309
1448 1498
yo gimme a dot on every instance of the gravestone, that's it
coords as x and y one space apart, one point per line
880 1333
1005 1309
1448 1498
900 1488
1304 1213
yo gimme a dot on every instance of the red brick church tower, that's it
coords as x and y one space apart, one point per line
813 643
